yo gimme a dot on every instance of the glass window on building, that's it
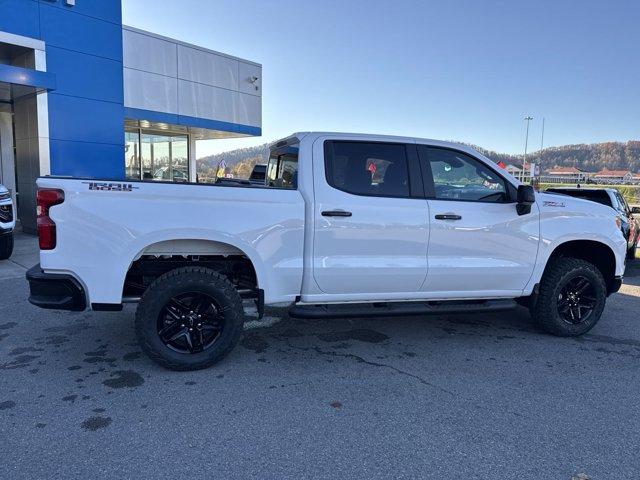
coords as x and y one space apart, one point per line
157 157
132 154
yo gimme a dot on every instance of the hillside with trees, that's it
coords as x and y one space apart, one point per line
239 162
588 157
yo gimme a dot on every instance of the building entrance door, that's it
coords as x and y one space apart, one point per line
24 127
7 161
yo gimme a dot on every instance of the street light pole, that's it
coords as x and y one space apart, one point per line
541 143
527 119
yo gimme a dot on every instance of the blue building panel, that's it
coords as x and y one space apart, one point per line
81 159
186 121
86 111
98 78
151 115
66 29
20 17
101 9
85 120
27 77
218 125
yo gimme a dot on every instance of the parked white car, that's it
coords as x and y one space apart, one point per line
7 223
345 225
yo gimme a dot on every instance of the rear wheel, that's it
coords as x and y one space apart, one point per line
571 297
189 318
6 246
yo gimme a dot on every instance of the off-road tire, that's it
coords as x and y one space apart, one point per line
176 282
6 246
558 273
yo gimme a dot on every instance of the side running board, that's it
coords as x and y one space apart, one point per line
390 309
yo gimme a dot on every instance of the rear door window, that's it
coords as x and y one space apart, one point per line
367 168
282 169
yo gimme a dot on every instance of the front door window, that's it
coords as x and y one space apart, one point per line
457 176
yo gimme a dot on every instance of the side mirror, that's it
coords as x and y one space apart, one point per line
635 210
526 198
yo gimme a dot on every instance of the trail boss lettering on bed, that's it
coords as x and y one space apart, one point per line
111 187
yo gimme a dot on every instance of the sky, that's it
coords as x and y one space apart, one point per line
463 70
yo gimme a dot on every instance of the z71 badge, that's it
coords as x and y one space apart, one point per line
111 187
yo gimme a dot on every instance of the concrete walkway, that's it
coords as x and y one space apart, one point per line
25 255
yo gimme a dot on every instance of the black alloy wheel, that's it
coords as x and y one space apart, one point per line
571 297
577 300
190 322
189 318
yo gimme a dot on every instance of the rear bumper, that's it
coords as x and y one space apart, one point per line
55 291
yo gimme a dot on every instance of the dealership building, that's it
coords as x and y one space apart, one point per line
82 95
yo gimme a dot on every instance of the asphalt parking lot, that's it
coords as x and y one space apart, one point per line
442 397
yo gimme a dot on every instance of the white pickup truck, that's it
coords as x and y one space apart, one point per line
346 225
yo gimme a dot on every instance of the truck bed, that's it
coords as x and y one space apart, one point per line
103 226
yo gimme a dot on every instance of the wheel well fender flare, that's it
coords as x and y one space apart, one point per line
137 248
595 251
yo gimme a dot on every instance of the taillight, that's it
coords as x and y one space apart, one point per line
45 199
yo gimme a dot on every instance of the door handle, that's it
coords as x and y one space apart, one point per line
448 216
336 213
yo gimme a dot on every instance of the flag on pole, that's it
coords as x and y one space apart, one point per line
222 166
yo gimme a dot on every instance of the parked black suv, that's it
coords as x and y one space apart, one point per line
610 197
258 175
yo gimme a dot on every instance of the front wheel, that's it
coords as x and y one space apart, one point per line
571 297
189 318
6 246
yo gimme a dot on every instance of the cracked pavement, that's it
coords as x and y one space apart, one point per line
458 396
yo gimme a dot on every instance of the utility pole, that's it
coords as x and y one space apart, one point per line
541 141
535 179
527 119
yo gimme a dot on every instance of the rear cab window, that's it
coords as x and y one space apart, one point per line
282 169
